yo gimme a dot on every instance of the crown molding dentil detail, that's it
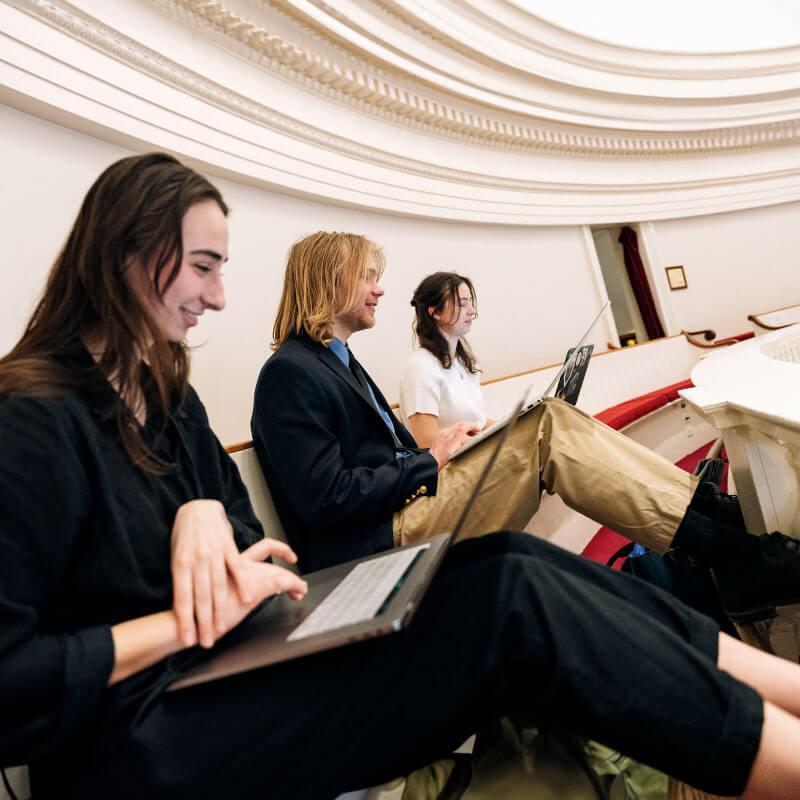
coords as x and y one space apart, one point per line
380 104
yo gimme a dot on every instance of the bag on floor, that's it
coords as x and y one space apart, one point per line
677 574
511 760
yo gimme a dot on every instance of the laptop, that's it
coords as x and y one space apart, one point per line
568 379
571 380
346 603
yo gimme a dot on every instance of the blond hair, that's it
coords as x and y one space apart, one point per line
321 282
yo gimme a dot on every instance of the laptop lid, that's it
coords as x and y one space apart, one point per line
571 380
571 356
525 406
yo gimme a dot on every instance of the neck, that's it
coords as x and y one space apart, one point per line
341 332
452 343
96 346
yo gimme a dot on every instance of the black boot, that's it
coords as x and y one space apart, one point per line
710 470
709 501
707 541
751 590
753 574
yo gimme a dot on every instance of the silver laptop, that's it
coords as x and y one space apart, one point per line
284 629
525 406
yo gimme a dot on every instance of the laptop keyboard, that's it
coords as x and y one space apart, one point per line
360 595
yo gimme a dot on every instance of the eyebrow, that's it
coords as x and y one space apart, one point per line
210 253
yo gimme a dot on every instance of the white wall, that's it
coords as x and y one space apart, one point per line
736 264
45 171
535 285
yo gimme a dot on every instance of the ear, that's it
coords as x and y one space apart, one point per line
433 312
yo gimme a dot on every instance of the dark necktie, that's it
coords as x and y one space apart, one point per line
355 368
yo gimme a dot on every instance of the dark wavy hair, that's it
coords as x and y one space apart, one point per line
435 292
132 214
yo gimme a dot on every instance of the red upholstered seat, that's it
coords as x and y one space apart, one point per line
623 414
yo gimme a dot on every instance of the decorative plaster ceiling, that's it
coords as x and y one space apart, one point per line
680 26
486 68
498 114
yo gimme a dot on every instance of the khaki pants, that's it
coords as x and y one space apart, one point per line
594 469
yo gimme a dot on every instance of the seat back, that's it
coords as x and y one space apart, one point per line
18 779
253 478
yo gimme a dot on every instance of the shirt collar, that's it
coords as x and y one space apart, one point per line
341 351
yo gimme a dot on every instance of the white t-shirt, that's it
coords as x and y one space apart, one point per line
453 394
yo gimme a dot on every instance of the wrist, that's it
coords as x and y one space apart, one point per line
141 642
439 457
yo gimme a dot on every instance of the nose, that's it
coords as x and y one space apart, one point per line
378 290
214 294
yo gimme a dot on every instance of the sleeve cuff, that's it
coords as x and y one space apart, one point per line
88 661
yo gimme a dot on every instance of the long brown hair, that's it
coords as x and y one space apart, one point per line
130 217
321 282
437 291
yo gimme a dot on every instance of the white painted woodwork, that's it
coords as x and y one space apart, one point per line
749 393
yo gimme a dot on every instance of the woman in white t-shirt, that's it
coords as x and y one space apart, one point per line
441 381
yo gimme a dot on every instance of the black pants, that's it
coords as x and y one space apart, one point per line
509 624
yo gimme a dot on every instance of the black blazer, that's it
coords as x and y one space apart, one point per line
329 458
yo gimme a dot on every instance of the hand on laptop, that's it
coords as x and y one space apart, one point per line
449 440
260 580
210 577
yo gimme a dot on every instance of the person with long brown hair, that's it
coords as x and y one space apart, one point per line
440 384
126 537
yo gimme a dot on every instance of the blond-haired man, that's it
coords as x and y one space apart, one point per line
348 479
337 460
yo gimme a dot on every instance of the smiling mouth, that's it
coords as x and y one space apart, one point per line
190 317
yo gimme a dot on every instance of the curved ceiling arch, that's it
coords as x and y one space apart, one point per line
680 26
473 110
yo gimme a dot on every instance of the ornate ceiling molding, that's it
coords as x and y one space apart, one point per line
382 97
509 21
504 173
357 82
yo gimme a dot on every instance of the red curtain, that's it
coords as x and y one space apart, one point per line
638 278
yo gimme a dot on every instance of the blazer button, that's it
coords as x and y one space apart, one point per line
423 489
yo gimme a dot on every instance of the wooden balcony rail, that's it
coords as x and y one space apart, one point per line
709 336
